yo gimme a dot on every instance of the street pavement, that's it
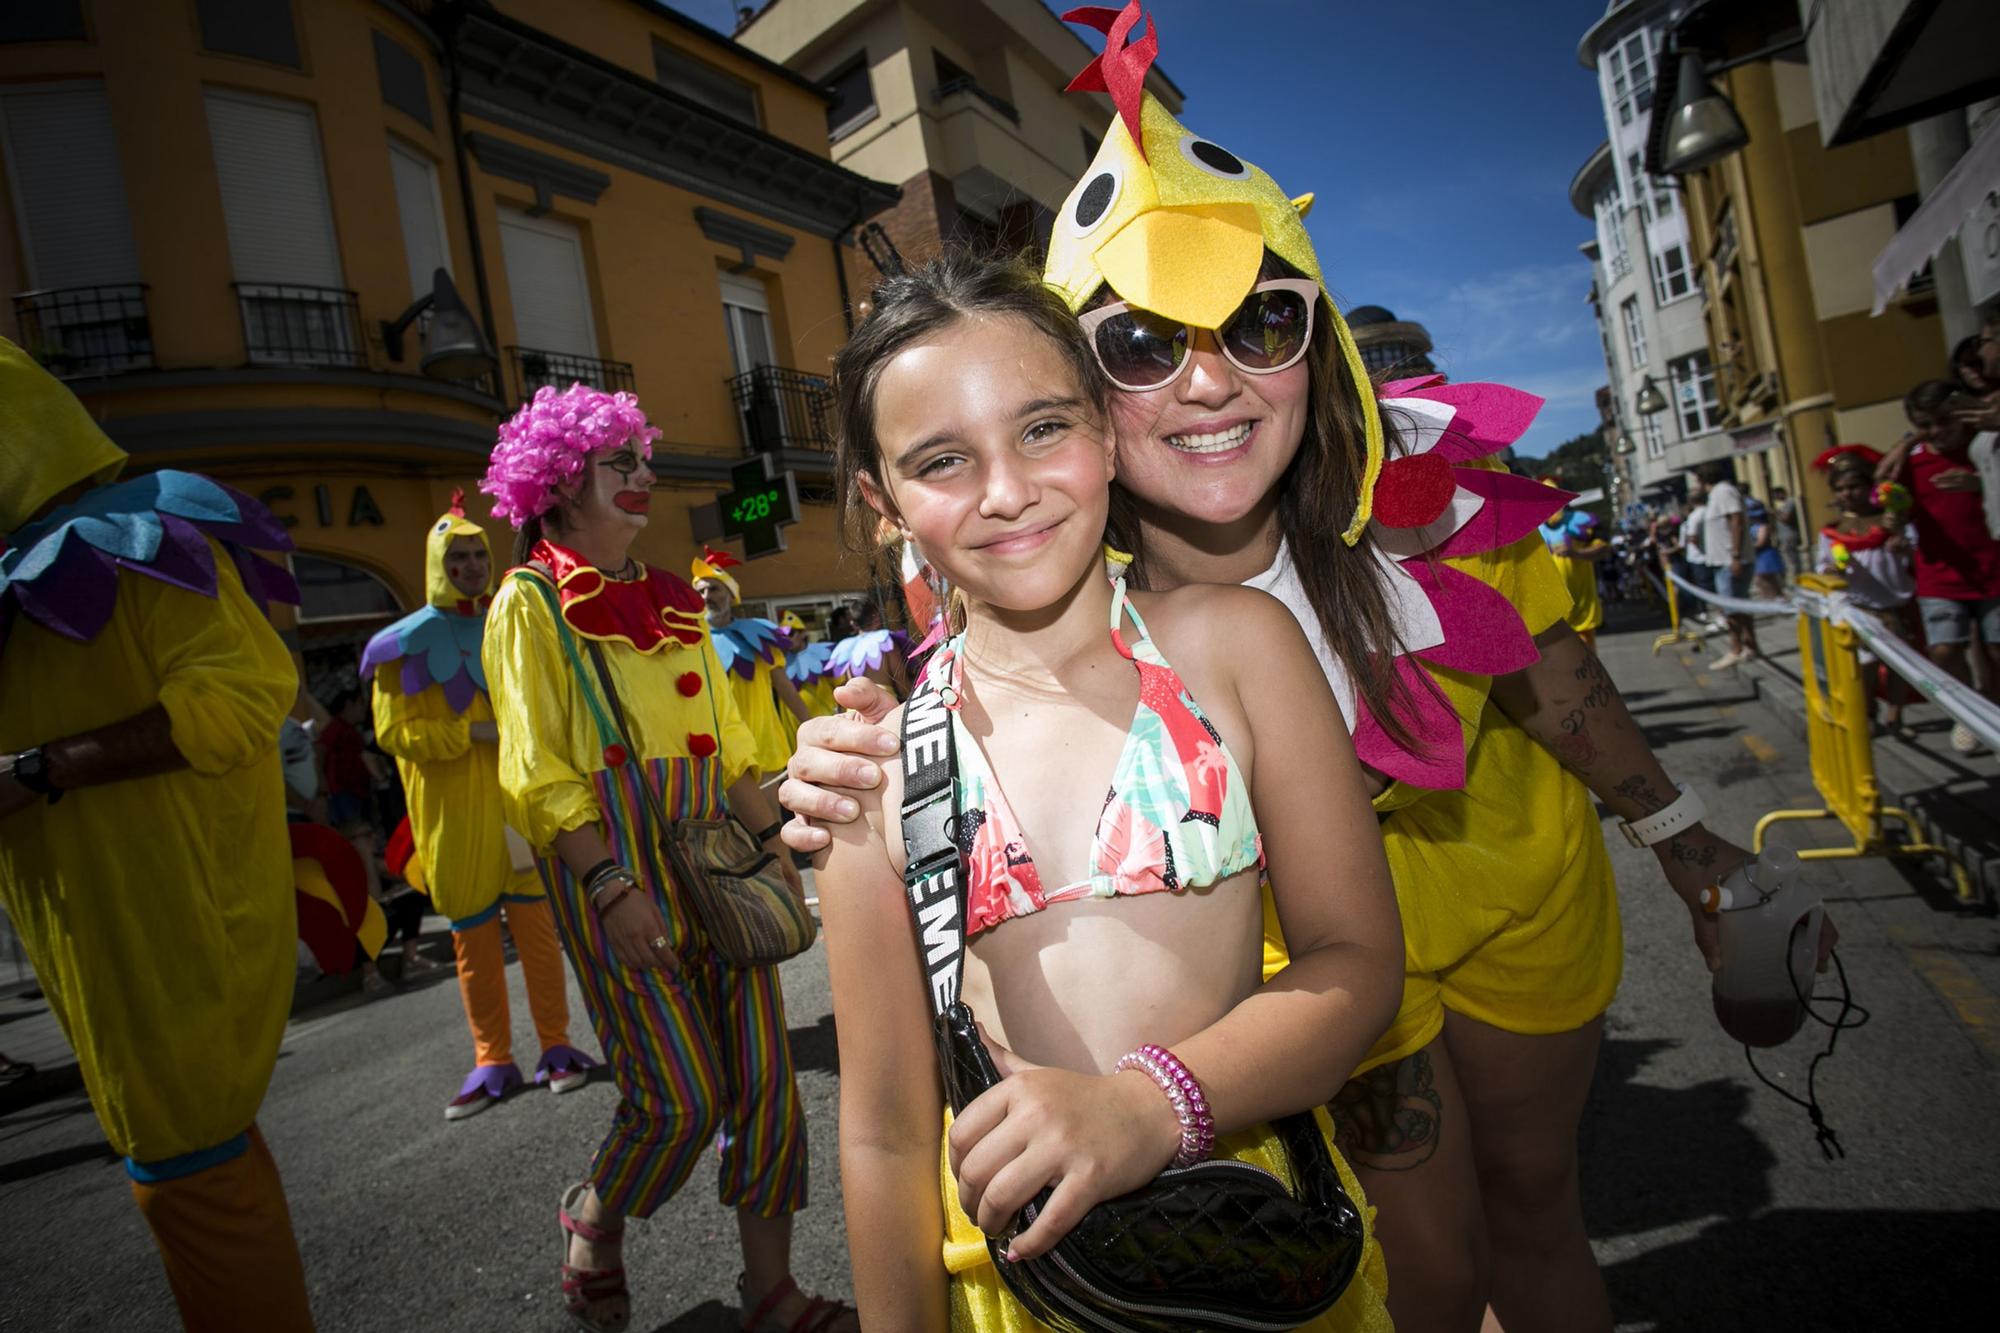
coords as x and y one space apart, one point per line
1709 1203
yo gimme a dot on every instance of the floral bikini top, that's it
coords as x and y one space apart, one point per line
1177 816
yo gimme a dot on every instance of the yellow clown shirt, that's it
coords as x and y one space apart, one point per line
430 690
662 662
158 911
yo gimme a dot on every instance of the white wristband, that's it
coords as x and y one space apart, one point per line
1657 827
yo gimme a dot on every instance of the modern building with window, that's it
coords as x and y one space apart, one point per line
218 219
960 102
1785 231
1391 348
1643 286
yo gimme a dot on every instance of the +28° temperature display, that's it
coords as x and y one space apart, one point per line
753 507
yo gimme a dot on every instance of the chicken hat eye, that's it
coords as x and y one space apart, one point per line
1093 201
1213 158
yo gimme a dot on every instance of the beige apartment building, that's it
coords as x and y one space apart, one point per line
960 102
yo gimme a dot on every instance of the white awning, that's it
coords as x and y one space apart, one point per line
1962 190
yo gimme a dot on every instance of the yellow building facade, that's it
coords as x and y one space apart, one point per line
211 211
1785 231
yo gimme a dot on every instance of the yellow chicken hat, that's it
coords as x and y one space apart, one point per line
712 566
1178 225
439 590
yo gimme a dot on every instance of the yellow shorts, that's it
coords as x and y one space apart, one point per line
981 1303
1510 911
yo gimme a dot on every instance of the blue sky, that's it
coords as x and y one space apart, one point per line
1440 140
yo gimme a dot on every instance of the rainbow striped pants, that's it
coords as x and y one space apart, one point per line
699 1054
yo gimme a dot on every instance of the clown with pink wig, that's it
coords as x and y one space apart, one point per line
612 716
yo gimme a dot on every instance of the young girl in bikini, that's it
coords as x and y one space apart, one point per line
1118 830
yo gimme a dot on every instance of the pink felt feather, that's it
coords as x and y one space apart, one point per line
1483 632
1515 506
1438 759
1486 417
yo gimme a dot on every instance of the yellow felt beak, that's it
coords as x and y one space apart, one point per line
1191 263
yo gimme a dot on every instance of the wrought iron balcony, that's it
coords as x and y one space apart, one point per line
78 331
289 325
784 409
536 366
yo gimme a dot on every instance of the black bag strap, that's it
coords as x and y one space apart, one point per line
935 866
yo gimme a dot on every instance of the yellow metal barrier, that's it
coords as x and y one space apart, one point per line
1674 634
1841 751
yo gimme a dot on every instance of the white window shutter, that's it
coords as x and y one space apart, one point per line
69 194
420 211
545 276
274 196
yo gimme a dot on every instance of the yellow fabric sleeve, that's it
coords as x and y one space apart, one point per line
407 730
226 679
739 743
528 677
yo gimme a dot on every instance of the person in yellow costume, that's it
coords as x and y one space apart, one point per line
433 714
1254 448
1571 537
806 668
753 655
144 859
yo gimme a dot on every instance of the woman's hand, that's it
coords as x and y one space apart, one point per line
1696 859
1091 1137
824 759
636 932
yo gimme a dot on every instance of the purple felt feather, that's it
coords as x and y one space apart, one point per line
183 558
416 675
493 1080
75 598
459 692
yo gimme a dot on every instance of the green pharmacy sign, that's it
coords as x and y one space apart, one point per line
758 506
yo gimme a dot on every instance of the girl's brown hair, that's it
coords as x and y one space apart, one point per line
1317 497
917 305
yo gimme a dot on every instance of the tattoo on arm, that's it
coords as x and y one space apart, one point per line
1641 791
1389 1119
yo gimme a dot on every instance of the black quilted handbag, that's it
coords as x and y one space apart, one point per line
1216 1246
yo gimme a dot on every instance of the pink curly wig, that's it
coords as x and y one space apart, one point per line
543 446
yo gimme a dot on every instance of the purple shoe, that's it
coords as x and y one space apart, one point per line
485 1085
564 1068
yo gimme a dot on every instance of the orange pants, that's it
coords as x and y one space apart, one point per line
225 1236
482 980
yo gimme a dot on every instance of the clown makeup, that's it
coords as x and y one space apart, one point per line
468 566
993 462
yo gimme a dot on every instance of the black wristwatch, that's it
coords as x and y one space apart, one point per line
31 769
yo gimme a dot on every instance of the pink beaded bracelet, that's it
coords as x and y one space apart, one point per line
1183 1091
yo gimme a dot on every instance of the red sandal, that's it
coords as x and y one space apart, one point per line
594 1297
821 1315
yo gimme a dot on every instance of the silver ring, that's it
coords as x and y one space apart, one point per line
659 941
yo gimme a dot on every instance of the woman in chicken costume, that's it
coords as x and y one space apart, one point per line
1252 448
753 655
432 713
143 853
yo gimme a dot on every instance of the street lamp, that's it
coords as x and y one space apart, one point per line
1625 445
1702 126
454 347
1650 402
